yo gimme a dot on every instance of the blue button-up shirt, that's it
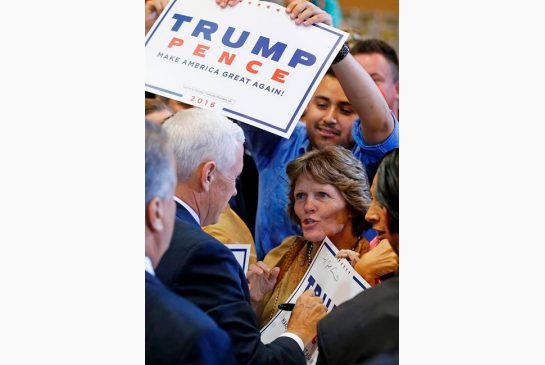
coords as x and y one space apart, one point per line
272 154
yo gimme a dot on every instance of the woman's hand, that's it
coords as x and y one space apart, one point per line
261 280
153 9
224 3
306 13
352 256
377 262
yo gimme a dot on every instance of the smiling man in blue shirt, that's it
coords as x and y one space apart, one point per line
347 109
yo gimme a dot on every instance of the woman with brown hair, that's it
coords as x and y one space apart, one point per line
329 196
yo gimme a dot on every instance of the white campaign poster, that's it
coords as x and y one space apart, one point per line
334 280
250 62
241 251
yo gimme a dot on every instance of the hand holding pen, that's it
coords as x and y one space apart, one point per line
307 311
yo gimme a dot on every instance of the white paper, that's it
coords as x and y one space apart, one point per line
334 280
271 104
241 251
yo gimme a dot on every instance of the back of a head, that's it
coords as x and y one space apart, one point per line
198 135
375 45
387 189
160 174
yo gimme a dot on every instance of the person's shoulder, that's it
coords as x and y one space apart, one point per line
173 308
191 236
192 249
171 318
300 132
371 317
298 137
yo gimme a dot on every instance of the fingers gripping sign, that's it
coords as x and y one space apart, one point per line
350 255
224 3
306 13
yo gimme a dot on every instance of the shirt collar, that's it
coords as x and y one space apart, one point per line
305 147
149 266
189 209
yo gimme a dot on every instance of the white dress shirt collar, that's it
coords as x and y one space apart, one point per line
189 209
149 266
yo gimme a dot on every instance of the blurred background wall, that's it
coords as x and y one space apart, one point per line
372 19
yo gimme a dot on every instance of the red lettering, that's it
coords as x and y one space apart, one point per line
175 42
252 63
279 75
200 49
227 58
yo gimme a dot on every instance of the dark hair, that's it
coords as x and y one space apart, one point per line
334 165
160 172
375 45
387 189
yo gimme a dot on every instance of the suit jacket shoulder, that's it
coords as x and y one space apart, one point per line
363 327
204 271
178 332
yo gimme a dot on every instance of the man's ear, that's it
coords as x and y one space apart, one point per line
397 89
155 212
206 171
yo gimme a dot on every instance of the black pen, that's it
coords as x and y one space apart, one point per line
286 306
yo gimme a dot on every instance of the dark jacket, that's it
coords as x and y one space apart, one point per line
204 271
177 332
363 328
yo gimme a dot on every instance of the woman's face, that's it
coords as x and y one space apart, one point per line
322 211
378 216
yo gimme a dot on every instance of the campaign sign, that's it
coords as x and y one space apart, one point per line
250 62
332 279
241 251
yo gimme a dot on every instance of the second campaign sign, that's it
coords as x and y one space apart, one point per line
250 62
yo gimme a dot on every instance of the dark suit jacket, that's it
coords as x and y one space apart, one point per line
362 328
177 332
205 272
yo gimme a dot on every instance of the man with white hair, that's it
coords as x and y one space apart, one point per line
177 332
209 154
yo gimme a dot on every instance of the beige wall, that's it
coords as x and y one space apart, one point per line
381 5
372 19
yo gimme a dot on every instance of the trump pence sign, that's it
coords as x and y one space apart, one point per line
250 62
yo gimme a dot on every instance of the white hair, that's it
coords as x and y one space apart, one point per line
160 174
198 135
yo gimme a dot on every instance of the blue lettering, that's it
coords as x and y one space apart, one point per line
318 290
303 58
179 20
311 279
241 40
206 28
262 46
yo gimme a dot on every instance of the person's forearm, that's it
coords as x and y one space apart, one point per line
365 97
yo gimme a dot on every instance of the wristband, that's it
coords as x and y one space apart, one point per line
342 54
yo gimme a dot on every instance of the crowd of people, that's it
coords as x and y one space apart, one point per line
212 181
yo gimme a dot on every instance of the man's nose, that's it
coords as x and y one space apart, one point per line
331 116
